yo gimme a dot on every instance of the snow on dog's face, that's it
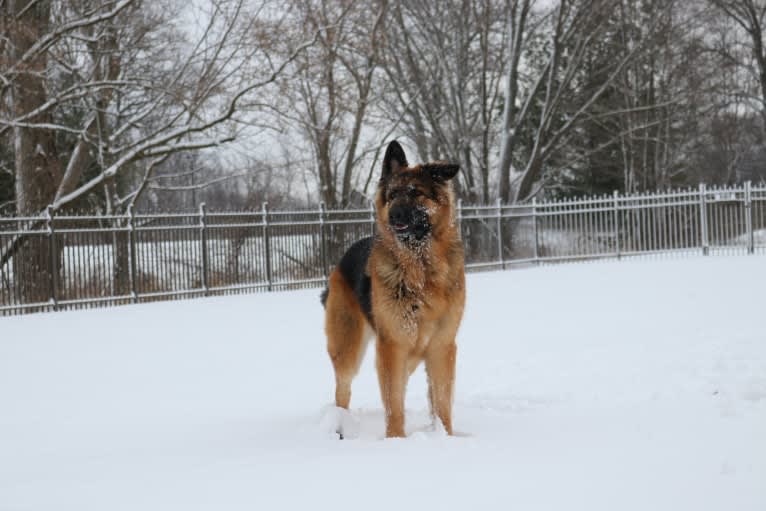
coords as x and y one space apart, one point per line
413 203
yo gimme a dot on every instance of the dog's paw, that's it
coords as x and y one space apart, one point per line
338 422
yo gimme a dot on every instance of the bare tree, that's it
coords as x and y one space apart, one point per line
327 102
136 86
444 63
97 91
750 15
642 132
570 29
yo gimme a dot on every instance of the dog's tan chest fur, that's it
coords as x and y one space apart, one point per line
418 290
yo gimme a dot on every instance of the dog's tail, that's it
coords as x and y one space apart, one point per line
323 296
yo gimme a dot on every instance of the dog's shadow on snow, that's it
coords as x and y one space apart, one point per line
369 424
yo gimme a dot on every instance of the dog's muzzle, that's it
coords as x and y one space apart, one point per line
409 223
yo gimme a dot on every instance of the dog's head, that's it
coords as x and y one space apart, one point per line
414 202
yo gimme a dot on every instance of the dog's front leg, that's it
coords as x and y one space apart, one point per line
392 375
440 367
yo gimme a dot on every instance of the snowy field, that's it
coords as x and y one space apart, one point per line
638 385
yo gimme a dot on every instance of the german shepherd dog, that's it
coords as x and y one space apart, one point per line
406 286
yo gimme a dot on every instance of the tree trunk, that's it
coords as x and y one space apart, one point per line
324 160
356 131
516 26
38 170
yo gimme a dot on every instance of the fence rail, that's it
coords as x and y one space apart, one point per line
56 262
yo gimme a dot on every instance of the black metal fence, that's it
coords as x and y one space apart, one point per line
57 262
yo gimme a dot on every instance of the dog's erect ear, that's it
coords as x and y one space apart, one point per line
441 171
393 160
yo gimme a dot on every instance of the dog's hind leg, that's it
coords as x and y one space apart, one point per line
347 335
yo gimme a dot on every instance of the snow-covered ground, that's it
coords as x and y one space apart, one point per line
635 385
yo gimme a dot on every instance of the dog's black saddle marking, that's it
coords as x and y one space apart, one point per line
353 267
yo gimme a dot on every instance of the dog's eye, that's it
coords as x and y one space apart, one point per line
413 193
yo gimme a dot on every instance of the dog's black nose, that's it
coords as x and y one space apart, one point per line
399 217
409 222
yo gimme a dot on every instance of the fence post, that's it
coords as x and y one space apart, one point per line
703 219
372 218
132 254
616 221
53 254
460 217
266 243
500 257
749 217
535 232
203 245
322 243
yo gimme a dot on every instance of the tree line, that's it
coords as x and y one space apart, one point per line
106 105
